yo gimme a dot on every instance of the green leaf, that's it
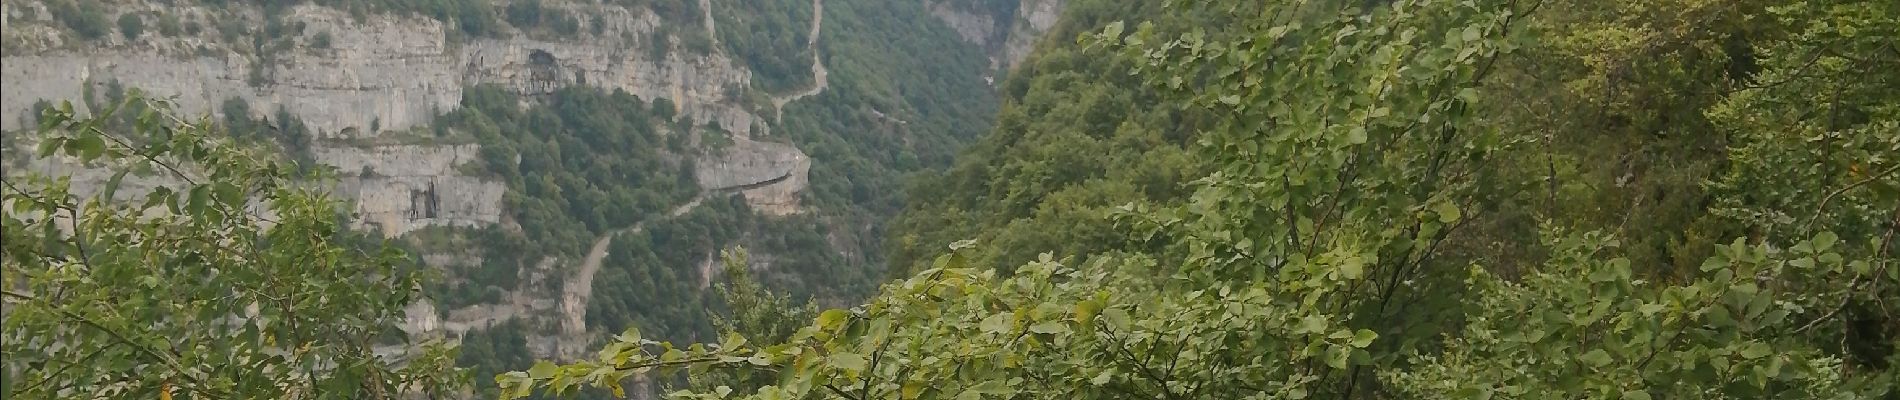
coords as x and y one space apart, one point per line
1635 395
90 147
733 340
1049 327
831 318
1352 268
1310 324
1337 357
1116 317
112 185
847 361
1754 350
912 389
1468 95
1113 30
1086 310
993 387
631 335
1596 358
1448 212
1802 263
1824 241
998 322
1363 338
51 144
1471 33
542 370
228 193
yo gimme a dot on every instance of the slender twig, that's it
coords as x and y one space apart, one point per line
62 369
1848 294
1818 210
169 362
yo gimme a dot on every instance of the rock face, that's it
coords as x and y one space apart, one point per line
769 175
380 73
383 73
972 27
1033 19
401 188
1011 40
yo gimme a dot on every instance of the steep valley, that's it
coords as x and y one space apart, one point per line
511 158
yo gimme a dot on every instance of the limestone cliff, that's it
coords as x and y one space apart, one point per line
1010 38
401 188
769 175
374 74
1033 19
382 73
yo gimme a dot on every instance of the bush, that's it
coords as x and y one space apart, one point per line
566 25
131 26
88 17
523 14
168 25
321 40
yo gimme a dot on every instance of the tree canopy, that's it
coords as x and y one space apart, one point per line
239 283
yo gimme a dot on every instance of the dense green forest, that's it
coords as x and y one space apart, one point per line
770 37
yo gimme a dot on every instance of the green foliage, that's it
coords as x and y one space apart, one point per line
493 350
168 25
581 164
131 25
474 18
771 37
589 161
85 17
530 14
1077 138
286 131
884 117
236 284
1363 219
321 41
755 312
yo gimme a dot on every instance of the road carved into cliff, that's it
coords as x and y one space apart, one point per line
580 288
819 74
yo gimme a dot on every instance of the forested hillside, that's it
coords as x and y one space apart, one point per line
554 170
1408 199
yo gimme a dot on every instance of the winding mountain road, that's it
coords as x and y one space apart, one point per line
579 288
820 76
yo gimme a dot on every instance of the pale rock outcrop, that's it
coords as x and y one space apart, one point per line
401 188
384 73
770 175
1010 41
1033 19
972 27
419 318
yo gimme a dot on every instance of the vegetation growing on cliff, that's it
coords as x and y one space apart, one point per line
239 283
